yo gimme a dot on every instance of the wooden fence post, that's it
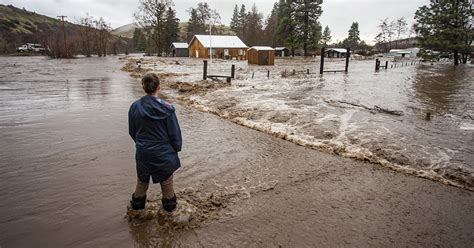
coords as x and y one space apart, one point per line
321 65
348 55
204 74
232 72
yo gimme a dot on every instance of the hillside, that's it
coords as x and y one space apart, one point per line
20 26
125 31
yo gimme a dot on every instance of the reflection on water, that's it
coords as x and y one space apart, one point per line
61 125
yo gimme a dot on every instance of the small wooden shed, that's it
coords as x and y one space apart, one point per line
179 49
261 55
282 52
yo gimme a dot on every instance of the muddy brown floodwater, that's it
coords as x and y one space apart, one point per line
67 172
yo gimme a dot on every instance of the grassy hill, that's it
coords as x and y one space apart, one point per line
20 26
125 30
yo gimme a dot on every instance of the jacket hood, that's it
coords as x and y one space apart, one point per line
154 108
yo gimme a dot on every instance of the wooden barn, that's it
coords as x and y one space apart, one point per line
179 49
336 52
223 47
282 52
261 55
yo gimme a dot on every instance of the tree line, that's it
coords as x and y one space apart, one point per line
443 25
88 36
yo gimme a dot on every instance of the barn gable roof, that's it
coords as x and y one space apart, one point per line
219 41
180 45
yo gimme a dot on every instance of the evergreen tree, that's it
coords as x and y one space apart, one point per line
139 40
326 37
195 26
201 17
446 25
253 25
308 28
353 38
286 30
235 21
242 19
271 26
171 28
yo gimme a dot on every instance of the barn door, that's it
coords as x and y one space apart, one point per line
264 57
197 53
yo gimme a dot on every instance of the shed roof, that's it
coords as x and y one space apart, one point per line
400 51
339 50
220 41
180 45
262 48
280 48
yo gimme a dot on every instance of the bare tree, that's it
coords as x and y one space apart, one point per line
151 18
86 32
102 35
400 26
386 33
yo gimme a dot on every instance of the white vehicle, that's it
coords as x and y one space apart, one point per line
30 47
23 49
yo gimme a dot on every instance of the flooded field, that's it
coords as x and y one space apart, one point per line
415 118
67 164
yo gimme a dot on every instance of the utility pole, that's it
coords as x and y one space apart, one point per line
64 35
210 40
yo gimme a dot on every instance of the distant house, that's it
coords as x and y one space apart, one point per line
336 52
223 46
282 52
404 53
261 55
179 49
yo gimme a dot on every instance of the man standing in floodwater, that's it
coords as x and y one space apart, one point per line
154 127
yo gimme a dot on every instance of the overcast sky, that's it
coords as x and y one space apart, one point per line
337 14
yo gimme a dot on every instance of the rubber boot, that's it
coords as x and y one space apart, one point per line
169 204
138 203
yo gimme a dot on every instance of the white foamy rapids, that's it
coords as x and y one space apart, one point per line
338 147
467 126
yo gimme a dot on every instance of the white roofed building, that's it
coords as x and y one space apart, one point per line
221 46
179 49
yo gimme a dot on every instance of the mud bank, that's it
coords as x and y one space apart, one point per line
389 129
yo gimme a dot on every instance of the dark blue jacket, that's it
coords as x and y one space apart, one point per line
154 127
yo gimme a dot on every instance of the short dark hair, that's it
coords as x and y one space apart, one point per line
150 82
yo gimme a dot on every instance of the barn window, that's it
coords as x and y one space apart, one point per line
241 52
